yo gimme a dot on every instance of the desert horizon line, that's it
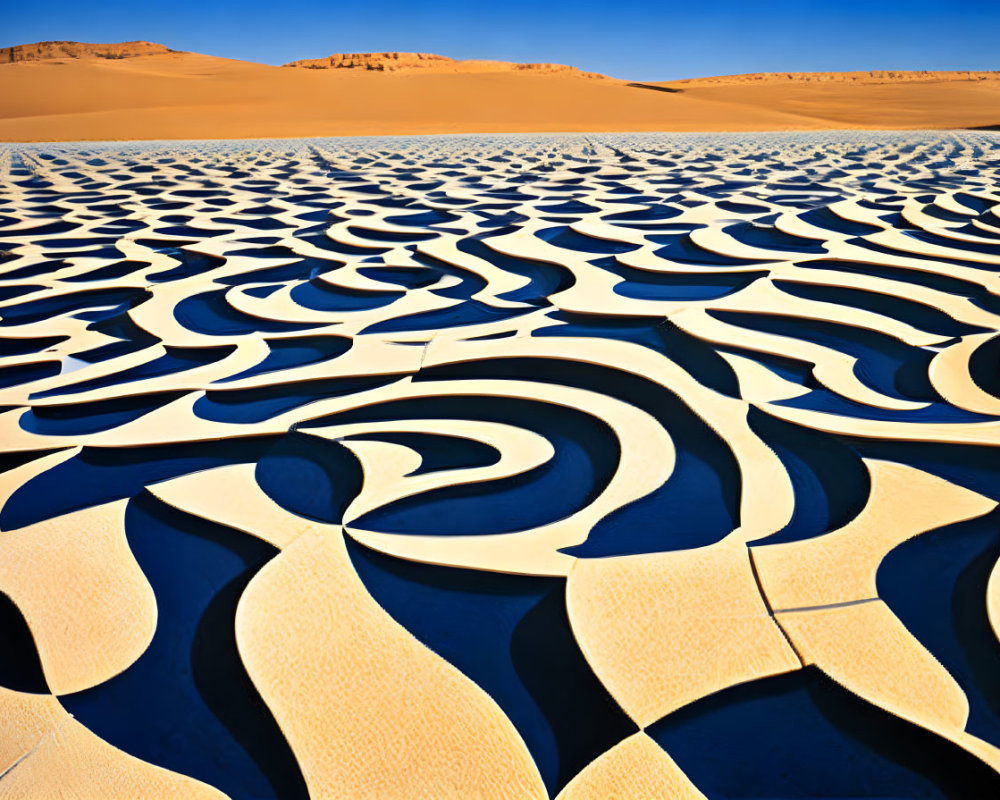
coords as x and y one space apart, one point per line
7 55
71 91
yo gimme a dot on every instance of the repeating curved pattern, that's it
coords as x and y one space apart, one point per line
624 466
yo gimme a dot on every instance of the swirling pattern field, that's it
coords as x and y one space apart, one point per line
618 466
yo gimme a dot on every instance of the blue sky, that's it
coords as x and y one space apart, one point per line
625 38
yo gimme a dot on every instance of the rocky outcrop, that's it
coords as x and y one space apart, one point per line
399 62
379 62
47 51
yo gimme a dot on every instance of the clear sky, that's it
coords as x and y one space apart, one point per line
647 40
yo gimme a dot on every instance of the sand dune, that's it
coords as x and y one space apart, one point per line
862 99
60 91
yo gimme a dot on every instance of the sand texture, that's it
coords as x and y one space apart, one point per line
501 467
67 91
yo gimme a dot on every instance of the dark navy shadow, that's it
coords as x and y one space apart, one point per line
211 314
263 402
100 475
75 419
310 476
801 735
830 482
511 635
936 585
295 351
20 666
319 295
187 704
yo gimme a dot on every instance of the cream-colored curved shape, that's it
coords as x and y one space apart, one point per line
90 609
840 566
369 711
630 613
949 373
636 767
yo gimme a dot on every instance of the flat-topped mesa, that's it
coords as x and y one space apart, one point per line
381 62
857 77
399 62
48 51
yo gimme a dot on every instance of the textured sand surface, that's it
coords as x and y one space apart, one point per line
58 91
607 466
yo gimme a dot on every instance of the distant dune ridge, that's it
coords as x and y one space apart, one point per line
866 77
70 91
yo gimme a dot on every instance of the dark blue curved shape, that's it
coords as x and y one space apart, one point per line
109 272
264 402
320 295
100 475
830 482
585 458
295 351
131 338
771 238
310 476
565 237
469 312
511 635
20 667
544 279
407 277
801 735
653 212
22 346
646 285
823 399
16 374
825 218
192 263
209 313
680 248
75 419
187 703
984 366
422 219
932 280
697 506
699 359
947 614
45 307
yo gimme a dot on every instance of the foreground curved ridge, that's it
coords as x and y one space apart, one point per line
501 466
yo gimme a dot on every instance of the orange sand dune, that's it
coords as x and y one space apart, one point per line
862 99
61 94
